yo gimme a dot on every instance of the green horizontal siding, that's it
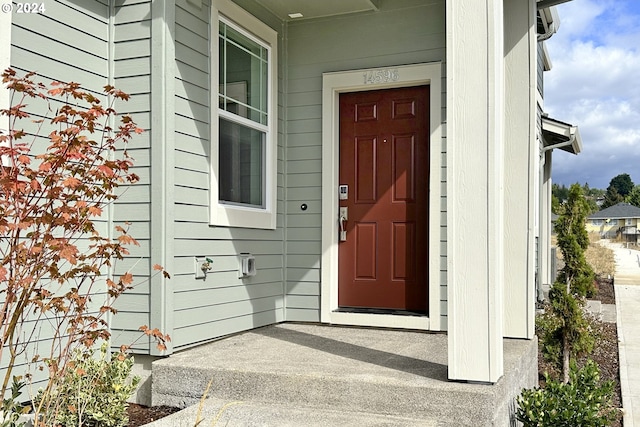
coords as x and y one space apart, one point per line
406 32
223 303
132 74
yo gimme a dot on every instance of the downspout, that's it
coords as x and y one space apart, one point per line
552 21
551 30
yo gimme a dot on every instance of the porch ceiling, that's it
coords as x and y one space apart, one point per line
317 8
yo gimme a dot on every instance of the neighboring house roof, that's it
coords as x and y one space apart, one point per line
621 210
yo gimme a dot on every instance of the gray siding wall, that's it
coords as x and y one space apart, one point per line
223 303
540 67
95 44
131 68
401 32
70 42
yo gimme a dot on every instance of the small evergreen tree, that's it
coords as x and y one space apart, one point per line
565 332
573 241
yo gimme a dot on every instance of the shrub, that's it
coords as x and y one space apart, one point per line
564 321
92 391
566 331
584 401
12 409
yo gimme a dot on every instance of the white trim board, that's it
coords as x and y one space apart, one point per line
365 80
5 62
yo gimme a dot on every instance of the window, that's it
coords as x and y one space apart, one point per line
243 160
597 221
630 221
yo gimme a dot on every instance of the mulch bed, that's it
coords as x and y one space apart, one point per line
140 415
606 292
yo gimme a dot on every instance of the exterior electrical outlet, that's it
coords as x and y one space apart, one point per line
247 265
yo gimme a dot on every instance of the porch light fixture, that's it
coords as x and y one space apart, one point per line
296 15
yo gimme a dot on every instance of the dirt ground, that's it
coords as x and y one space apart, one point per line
141 415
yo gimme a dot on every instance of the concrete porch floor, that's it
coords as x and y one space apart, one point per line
308 374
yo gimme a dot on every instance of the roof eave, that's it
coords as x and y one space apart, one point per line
561 135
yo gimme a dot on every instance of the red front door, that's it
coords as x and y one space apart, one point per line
384 161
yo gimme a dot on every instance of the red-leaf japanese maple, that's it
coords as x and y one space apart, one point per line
52 255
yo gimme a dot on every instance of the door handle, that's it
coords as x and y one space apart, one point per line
343 230
342 220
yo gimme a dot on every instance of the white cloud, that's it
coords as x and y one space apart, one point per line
596 59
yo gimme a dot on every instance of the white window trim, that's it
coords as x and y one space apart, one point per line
233 215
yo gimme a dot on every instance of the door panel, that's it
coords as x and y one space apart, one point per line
384 159
366 250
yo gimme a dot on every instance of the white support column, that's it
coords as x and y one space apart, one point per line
162 171
521 168
475 157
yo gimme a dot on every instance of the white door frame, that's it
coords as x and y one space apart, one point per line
365 80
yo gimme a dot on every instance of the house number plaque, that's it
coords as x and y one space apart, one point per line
381 76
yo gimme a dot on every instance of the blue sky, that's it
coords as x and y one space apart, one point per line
595 83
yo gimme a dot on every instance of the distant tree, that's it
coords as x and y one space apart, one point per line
593 205
612 197
561 192
622 183
634 196
591 196
592 192
555 204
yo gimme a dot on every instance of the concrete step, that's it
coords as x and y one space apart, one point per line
594 307
347 370
608 313
603 312
243 414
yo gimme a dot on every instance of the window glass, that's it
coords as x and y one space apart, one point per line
243 75
241 156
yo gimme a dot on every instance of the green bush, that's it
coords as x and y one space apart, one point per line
585 401
12 409
92 391
564 314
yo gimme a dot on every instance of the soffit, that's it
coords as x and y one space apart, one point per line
317 8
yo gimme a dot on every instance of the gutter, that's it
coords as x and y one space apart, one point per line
571 140
542 4
551 20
